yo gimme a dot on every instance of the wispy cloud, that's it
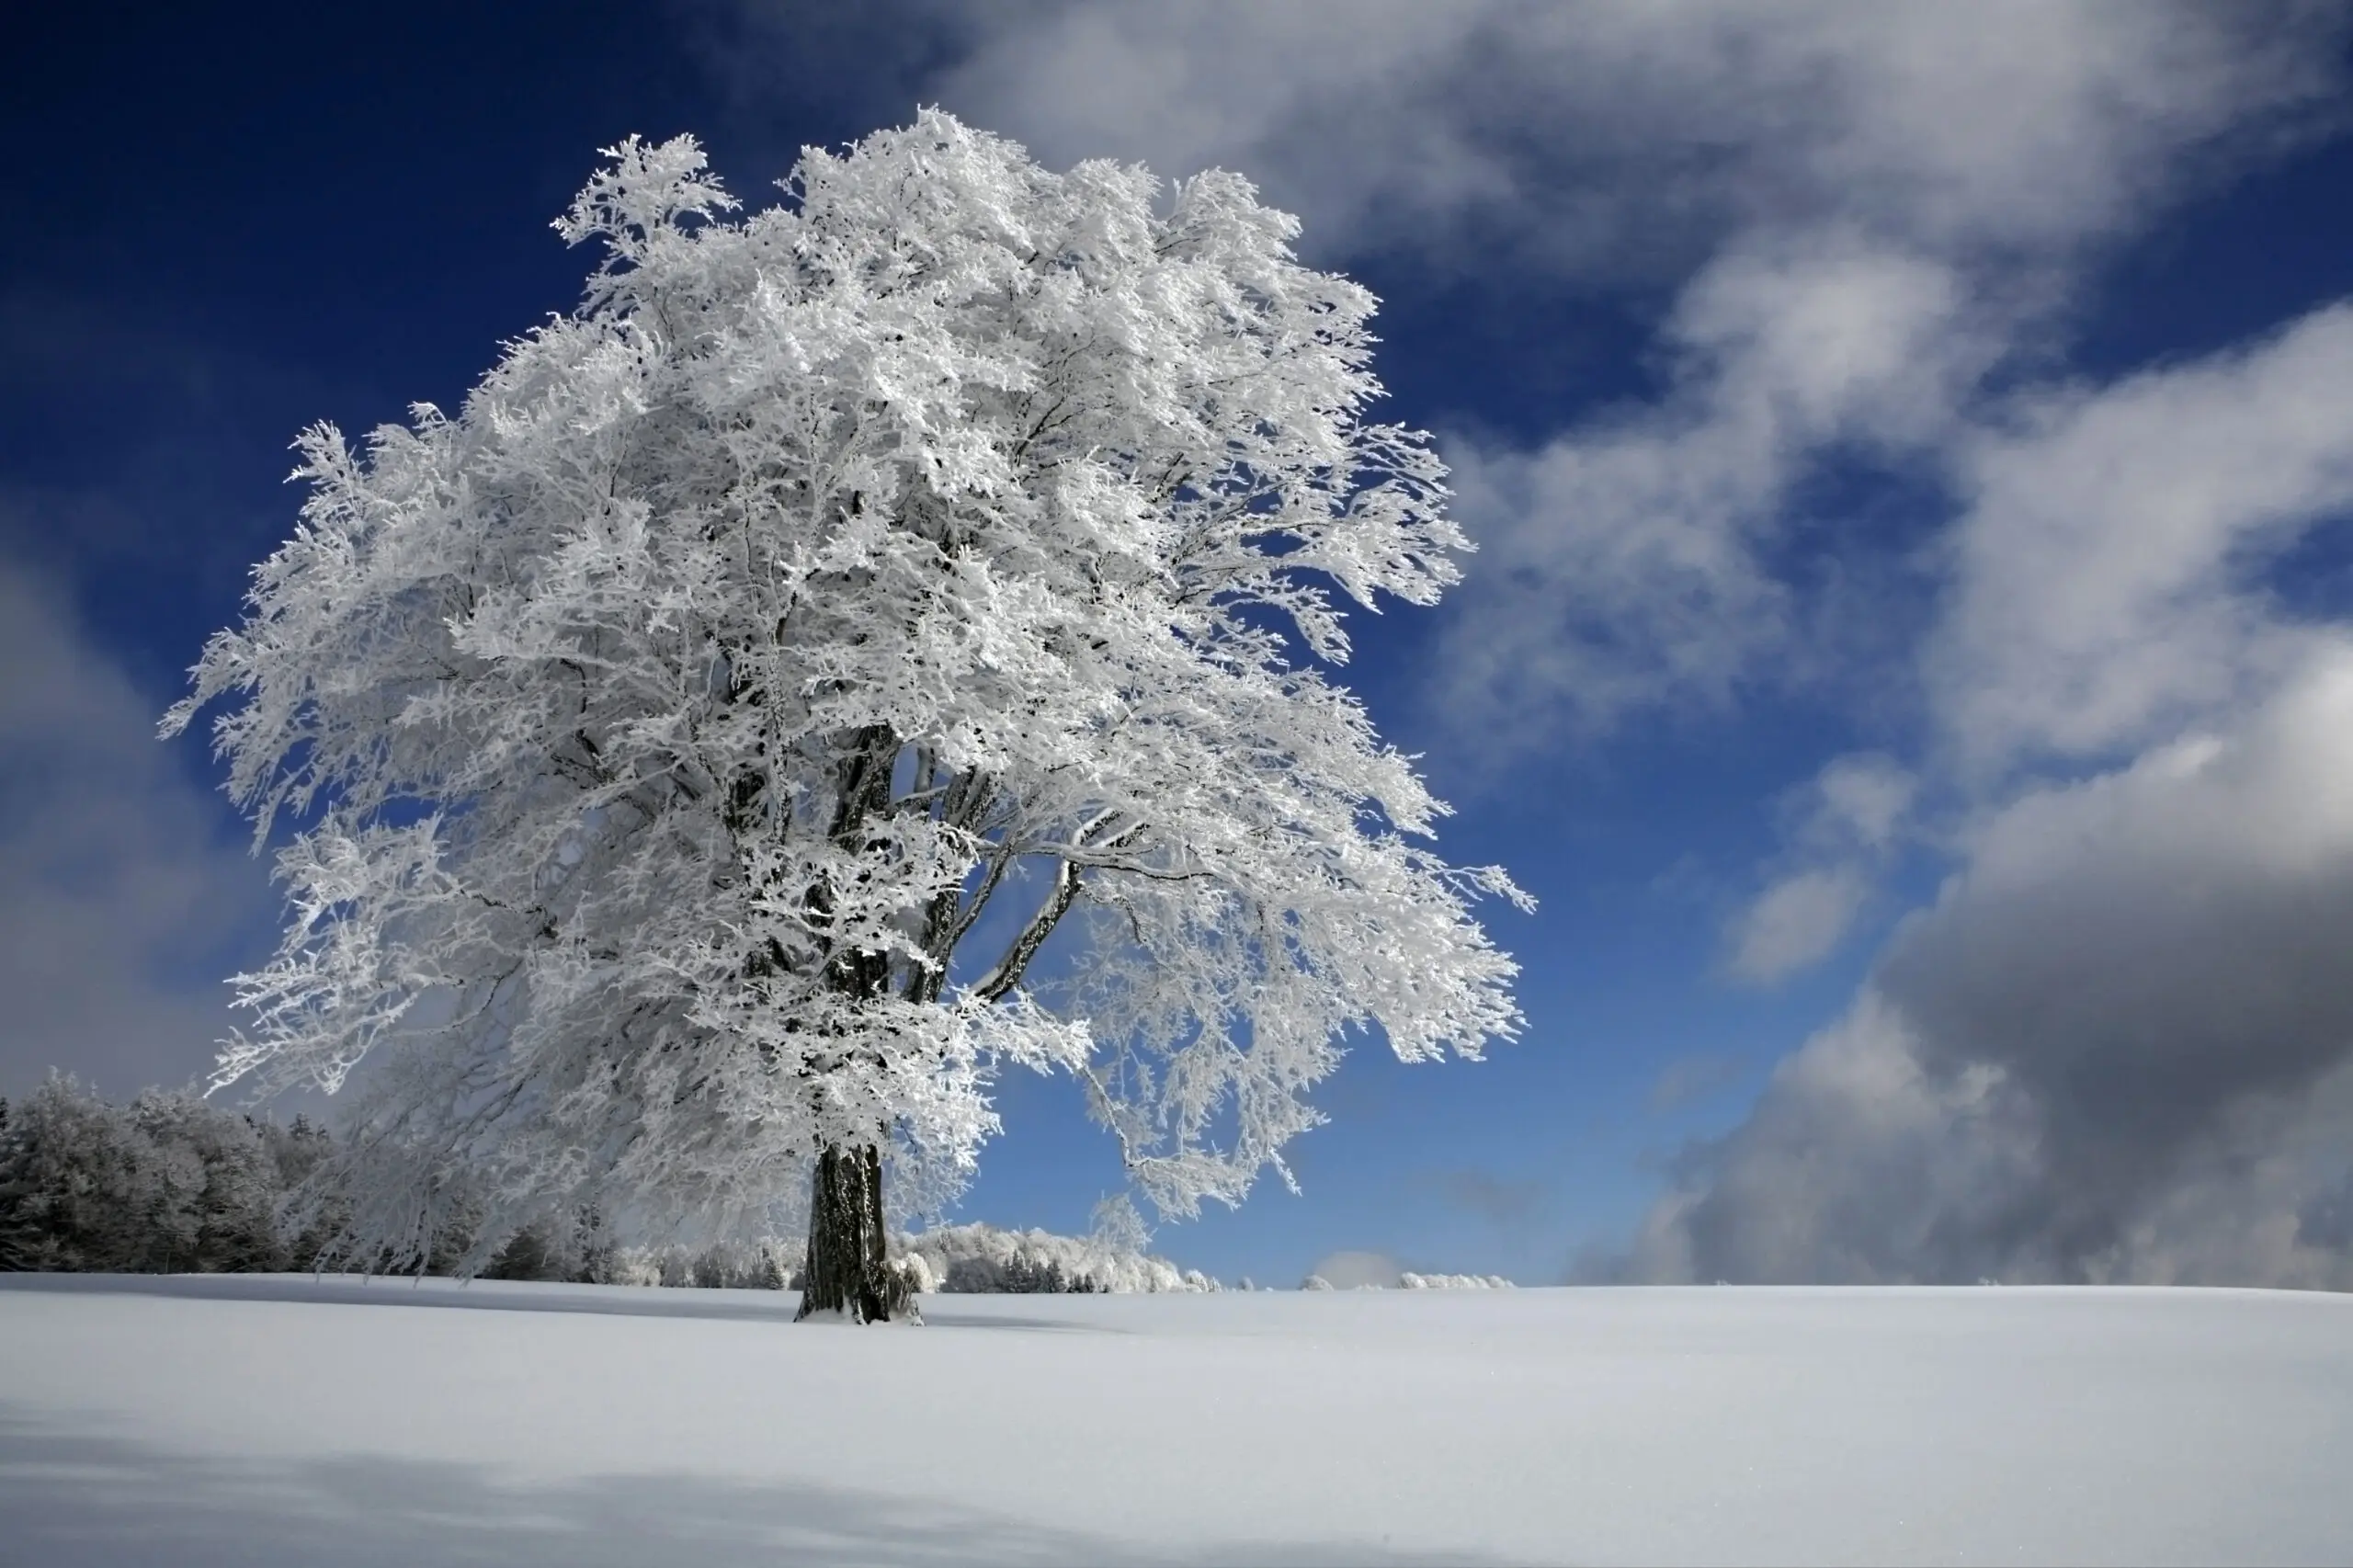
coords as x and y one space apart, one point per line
2110 581
121 906
1690 1079
1905 243
1496 1200
1603 139
1624 565
1845 826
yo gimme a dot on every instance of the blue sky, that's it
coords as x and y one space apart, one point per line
1910 656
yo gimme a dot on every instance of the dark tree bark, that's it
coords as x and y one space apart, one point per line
846 1270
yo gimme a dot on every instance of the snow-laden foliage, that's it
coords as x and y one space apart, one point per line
766 1264
170 1183
167 1183
697 738
985 1260
1412 1282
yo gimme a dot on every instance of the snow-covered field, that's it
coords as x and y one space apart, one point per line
274 1421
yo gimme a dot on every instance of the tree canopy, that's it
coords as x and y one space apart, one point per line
869 643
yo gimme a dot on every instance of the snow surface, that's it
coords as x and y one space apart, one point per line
275 1420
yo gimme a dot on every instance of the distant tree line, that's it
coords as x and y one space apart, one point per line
167 1183
172 1183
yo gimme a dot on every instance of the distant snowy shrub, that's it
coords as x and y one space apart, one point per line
1411 1281
1315 1282
980 1259
634 1266
767 1264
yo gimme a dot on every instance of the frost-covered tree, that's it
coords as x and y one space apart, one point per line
867 643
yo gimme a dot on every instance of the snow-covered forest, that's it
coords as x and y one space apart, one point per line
173 1183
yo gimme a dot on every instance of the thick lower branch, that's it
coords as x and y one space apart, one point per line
1010 968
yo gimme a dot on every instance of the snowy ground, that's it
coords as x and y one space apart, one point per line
273 1421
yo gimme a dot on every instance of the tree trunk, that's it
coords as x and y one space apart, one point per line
846 1270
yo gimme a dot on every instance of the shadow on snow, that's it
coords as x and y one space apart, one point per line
511 1296
73 1500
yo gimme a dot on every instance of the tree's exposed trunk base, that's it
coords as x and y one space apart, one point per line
847 1270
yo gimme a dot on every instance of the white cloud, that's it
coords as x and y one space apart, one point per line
1797 921
1854 1163
2148 961
120 909
2108 565
1895 244
1846 822
2119 1047
1609 137
1860 803
1622 565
